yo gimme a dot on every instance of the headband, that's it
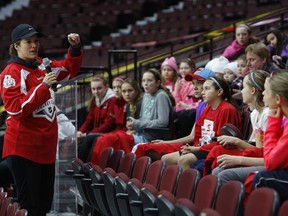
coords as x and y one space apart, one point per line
216 82
246 27
118 79
254 82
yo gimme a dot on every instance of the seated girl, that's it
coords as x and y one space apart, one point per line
243 154
243 38
120 104
100 118
155 112
155 151
275 143
186 102
278 46
197 145
169 72
131 93
184 92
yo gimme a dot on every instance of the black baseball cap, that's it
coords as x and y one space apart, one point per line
23 31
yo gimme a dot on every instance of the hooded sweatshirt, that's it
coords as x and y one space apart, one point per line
100 118
32 131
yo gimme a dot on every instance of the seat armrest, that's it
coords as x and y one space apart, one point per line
122 196
151 211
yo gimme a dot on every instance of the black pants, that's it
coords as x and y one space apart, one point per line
34 184
276 179
86 146
183 122
6 178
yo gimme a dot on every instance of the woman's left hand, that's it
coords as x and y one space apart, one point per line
227 161
74 39
237 94
129 123
276 112
227 141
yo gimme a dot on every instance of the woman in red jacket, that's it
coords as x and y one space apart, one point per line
31 136
120 104
100 119
131 94
275 137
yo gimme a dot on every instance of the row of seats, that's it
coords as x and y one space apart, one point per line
8 207
96 24
123 185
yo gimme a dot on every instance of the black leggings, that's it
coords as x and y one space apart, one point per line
34 184
4 171
86 146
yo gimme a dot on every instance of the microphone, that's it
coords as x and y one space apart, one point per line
46 63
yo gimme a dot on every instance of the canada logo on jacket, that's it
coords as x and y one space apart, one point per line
47 110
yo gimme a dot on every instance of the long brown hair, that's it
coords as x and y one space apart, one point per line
158 77
220 82
135 86
133 105
279 85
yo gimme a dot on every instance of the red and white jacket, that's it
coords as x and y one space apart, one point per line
101 118
276 144
32 130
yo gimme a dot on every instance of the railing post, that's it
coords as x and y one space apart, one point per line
109 68
281 21
135 57
211 48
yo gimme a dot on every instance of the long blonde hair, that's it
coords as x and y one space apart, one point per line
279 85
97 78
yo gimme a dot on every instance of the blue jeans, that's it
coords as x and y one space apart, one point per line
139 139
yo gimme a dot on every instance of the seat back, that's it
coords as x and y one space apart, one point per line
187 184
4 205
231 130
127 164
170 178
246 124
153 178
125 167
21 212
210 212
229 199
105 156
112 163
283 210
3 195
186 188
12 208
165 133
262 201
121 180
115 159
140 168
78 175
185 207
77 165
206 192
154 173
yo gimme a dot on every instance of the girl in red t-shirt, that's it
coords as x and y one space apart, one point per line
219 111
